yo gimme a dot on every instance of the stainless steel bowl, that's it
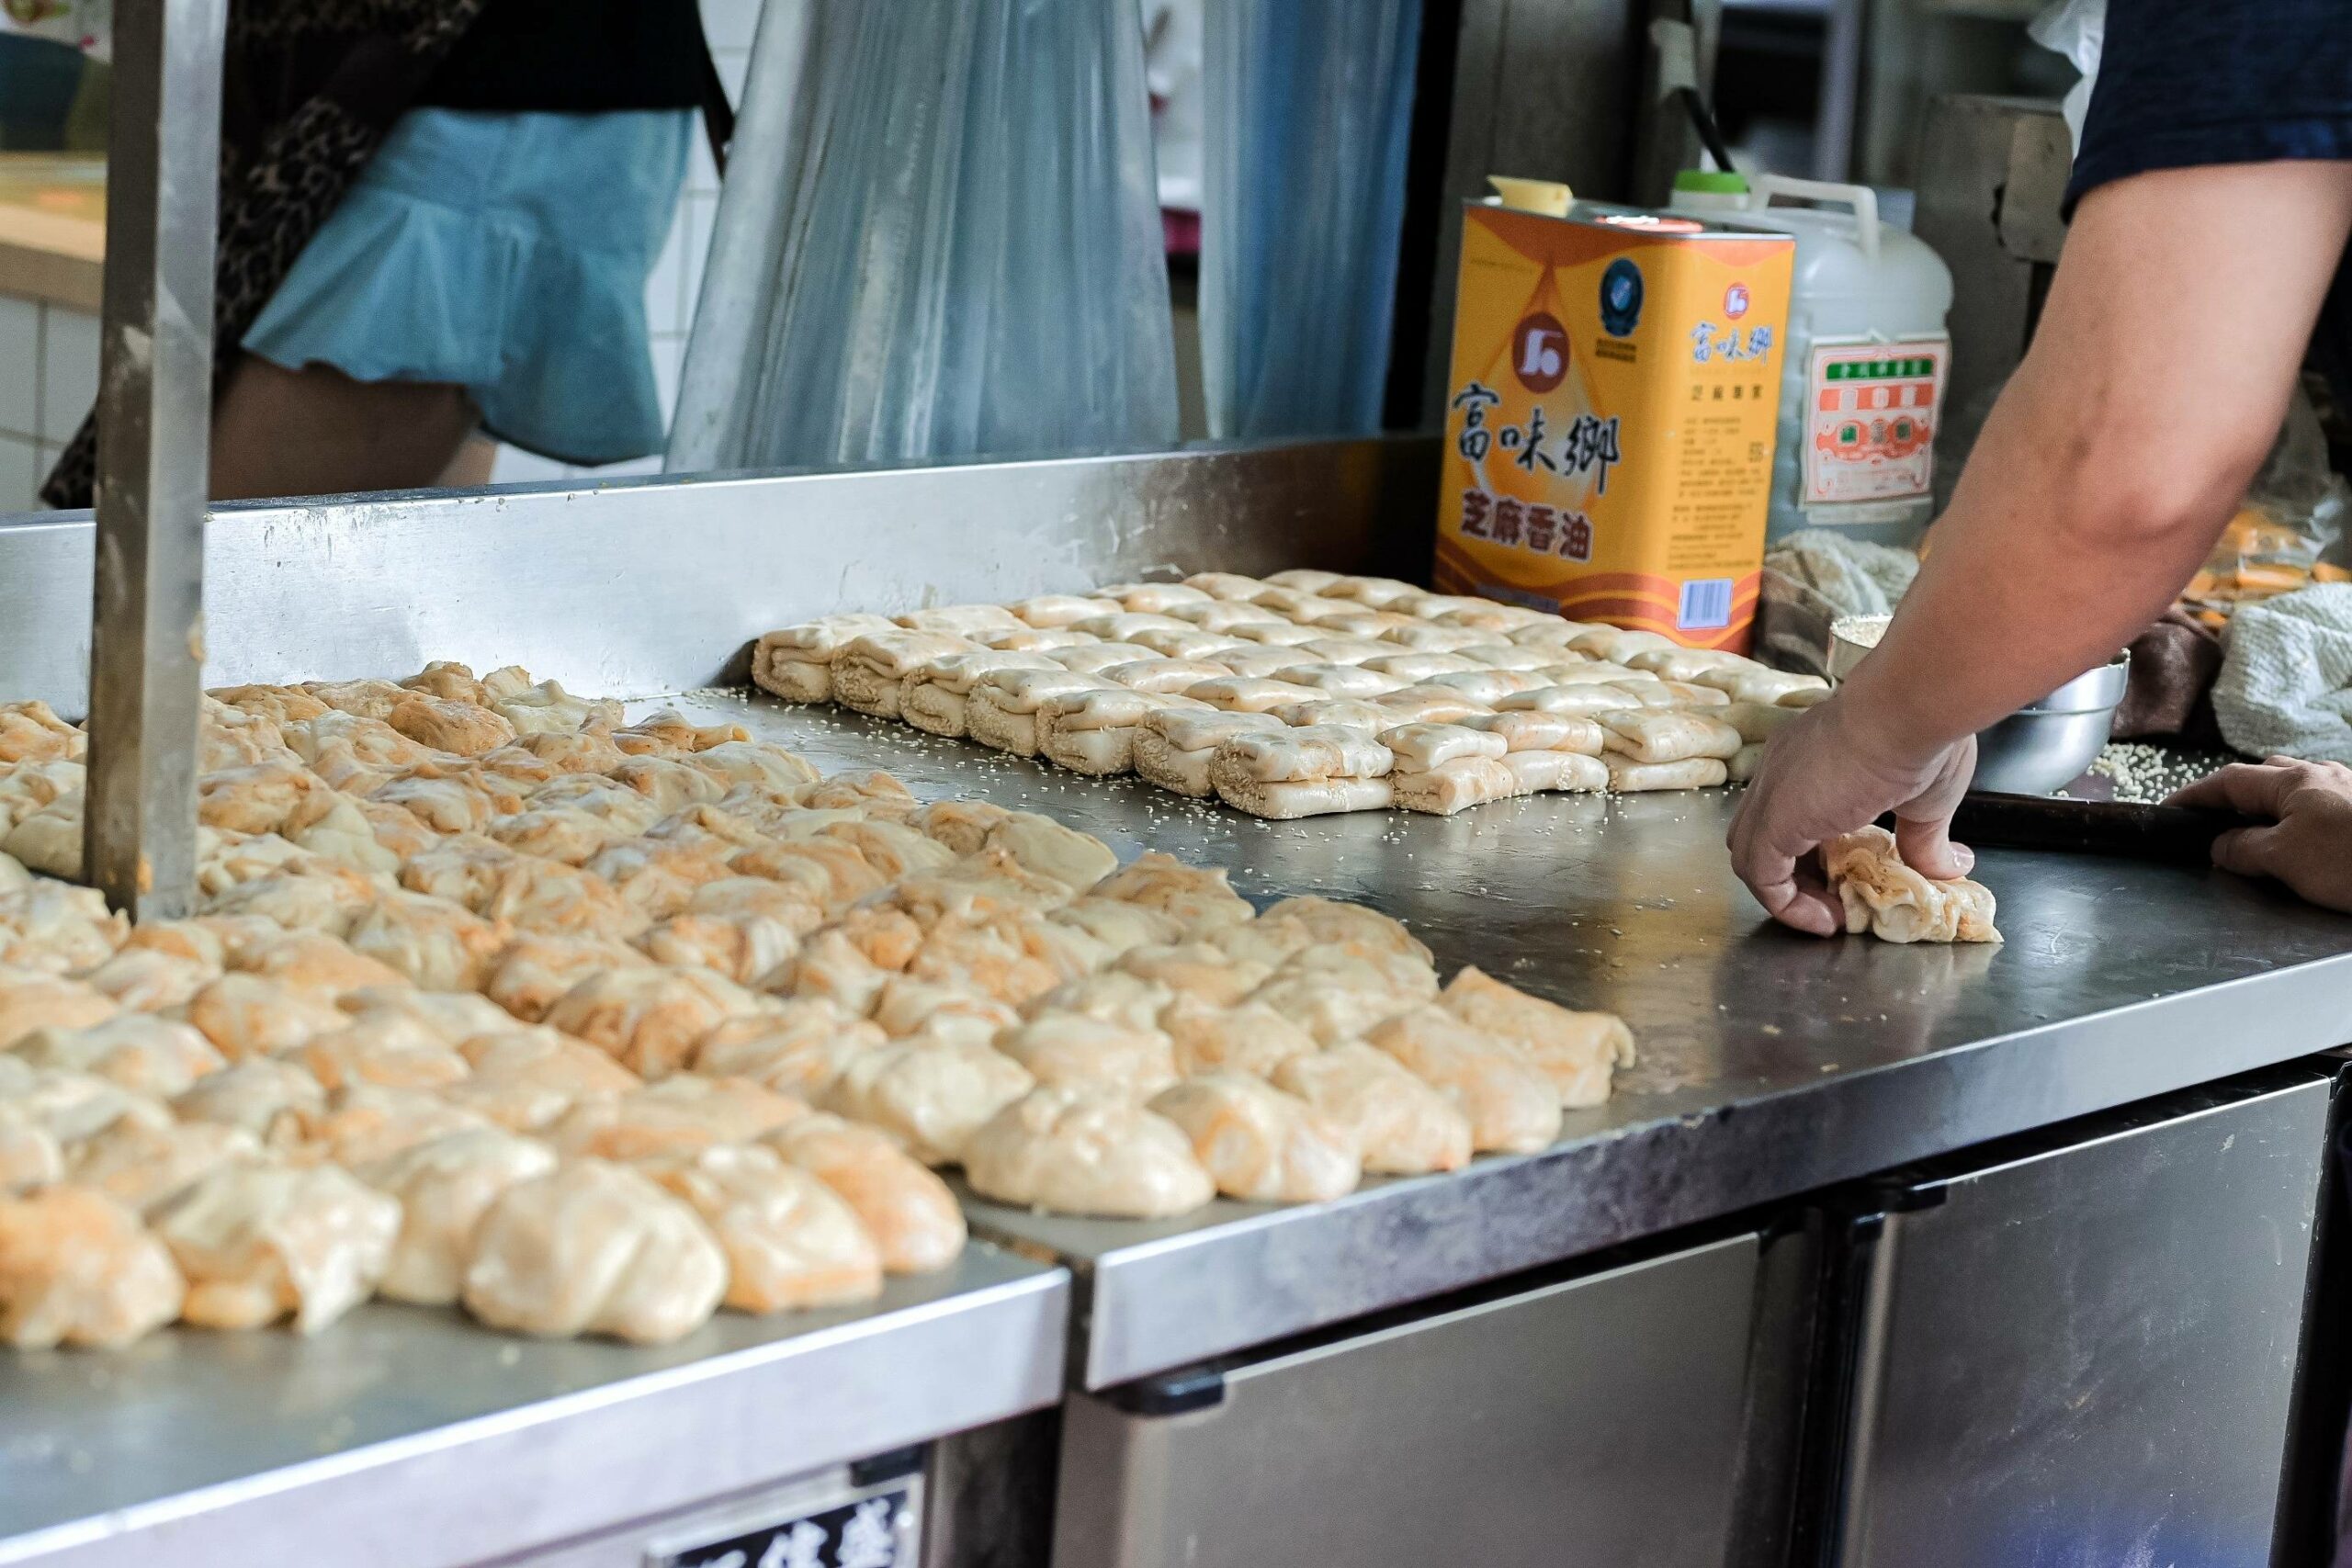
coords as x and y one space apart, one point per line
2042 746
2047 745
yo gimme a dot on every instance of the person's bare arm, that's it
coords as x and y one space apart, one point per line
2157 381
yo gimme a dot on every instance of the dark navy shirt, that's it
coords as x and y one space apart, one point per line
2183 83
2186 82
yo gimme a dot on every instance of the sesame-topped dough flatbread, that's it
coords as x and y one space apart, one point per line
1557 771
1664 737
1054 610
1173 746
1418 748
1532 730
1456 785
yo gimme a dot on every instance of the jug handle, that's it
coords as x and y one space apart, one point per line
1762 188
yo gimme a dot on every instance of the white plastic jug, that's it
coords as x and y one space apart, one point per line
1861 397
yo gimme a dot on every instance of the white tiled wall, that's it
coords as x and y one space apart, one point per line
49 374
676 282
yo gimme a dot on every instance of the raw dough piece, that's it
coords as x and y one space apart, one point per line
933 696
1071 1048
1186 645
1329 920
868 673
1686 663
1093 656
143 1167
1627 777
1485 687
1197 897
1429 705
910 1212
1402 1127
1307 797
1744 762
257 1242
1891 901
77 1268
1078 1151
1249 1037
369 1121
536 969
1259 1143
959 618
1456 785
72 1106
266 1097
1577 1050
526 1079
1512 1107
1092 732
1002 709
649 1018
1409 667
1580 701
1338 680
1173 747
1238 694
1615 643
444 1185
1419 748
592 1247
790 1240
1561 770
1366 718
431 941
1536 730
932 1094
797 1050
1284 632
384 1049
1055 610
1113 996
909 1008
30 1000
1115 927
677 1116
1259 661
141 1054
797 662
30 1155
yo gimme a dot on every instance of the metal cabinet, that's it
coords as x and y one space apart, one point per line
1593 1421
2084 1354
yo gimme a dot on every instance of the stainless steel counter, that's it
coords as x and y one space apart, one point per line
1772 1064
410 1438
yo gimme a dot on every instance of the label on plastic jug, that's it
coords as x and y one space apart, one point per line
1610 422
1872 410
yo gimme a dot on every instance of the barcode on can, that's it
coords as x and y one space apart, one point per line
1706 605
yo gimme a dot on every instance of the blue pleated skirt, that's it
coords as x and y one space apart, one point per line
508 254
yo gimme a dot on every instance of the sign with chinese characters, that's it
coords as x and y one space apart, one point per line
875 1531
1872 412
1610 421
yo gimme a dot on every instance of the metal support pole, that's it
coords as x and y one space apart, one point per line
155 429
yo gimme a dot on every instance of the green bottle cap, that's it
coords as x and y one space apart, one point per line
1712 182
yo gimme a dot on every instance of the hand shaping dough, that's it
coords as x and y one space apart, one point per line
789 1239
1260 1145
76 1267
1512 1107
594 1248
1577 1050
257 1242
1078 1151
1894 903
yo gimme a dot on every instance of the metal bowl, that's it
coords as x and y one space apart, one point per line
2043 746
2047 745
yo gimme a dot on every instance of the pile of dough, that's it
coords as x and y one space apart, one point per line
76 1267
591 1247
257 1242
1086 1151
1888 899
1259 1143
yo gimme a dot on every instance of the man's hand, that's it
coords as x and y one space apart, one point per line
1821 776
2307 844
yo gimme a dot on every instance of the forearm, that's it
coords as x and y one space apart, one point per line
2118 450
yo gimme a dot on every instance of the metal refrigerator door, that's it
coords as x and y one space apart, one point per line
1589 1424
2084 1358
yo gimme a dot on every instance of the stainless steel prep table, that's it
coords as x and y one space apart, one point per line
412 1437
1772 1064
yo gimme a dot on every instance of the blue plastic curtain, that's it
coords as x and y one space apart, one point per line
939 237
1308 104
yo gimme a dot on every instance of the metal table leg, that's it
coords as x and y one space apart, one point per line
154 424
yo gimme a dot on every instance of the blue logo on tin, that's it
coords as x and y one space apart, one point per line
1621 297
